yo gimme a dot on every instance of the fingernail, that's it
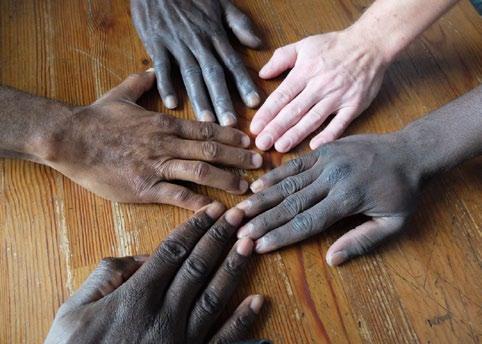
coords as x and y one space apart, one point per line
256 127
228 119
244 205
316 143
263 70
253 99
336 258
243 185
214 210
257 186
256 303
207 116
245 231
245 141
283 145
141 258
257 160
150 70
260 245
264 141
234 216
244 247
170 102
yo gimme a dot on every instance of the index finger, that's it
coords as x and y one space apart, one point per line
290 168
205 131
156 274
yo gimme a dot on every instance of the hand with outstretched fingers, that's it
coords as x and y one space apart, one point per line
334 73
174 296
192 32
362 174
125 153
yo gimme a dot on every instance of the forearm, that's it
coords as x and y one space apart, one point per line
391 25
447 136
28 124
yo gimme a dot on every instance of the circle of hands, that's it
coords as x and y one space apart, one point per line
125 153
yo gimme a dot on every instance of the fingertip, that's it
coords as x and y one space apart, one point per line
252 100
206 116
228 119
244 247
283 145
257 160
256 303
245 231
261 246
257 186
245 141
264 141
234 216
214 210
336 258
170 101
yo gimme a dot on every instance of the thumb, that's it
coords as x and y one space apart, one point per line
363 239
241 25
109 275
283 58
133 87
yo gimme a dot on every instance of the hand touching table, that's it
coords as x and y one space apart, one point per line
168 297
121 151
192 31
337 73
377 175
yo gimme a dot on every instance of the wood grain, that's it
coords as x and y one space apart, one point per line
422 287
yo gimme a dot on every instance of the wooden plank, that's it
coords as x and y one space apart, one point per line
422 287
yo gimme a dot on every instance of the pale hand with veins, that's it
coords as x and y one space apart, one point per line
335 73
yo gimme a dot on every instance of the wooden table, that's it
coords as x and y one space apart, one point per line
425 286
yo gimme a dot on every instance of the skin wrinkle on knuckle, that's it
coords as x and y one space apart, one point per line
220 233
210 303
196 267
201 170
302 223
172 251
234 266
182 196
292 205
337 173
210 150
295 166
289 186
207 131
199 223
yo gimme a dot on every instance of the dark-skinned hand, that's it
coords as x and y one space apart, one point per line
173 296
192 31
363 174
125 153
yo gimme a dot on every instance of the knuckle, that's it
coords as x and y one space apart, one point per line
337 173
182 196
233 62
281 96
234 266
201 170
292 205
162 121
242 322
210 302
296 166
213 70
207 131
302 223
362 244
290 185
210 150
199 223
196 267
171 251
219 233
191 71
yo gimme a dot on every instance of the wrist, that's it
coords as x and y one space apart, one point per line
376 40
